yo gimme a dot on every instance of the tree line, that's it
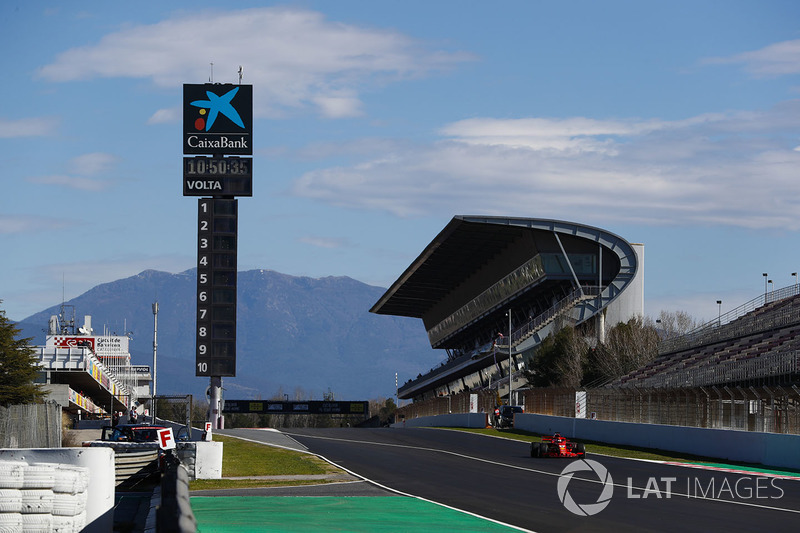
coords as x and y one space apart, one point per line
572 356
18 366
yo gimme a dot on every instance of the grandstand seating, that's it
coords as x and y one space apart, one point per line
761 345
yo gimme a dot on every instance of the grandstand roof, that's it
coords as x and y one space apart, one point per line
463 245
479 270
459 250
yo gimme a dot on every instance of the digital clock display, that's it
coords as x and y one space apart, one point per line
217 167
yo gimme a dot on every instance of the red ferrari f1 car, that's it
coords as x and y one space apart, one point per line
557 446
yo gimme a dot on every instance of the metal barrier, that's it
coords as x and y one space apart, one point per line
133 466
766 408
174 512
134 462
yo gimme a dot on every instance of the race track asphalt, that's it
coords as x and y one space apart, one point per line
495 481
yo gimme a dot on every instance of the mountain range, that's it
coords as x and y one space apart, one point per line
296 336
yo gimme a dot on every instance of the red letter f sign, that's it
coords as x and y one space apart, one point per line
165 439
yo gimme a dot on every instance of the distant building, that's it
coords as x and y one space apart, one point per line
544 272
91 376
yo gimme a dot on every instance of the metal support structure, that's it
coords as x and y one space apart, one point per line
760 411
215 403
569 264
510 366
155 359
796 422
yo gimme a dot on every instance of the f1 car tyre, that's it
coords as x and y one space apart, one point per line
580 449
534 449
543 449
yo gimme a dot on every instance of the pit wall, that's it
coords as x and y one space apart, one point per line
202 459
770 449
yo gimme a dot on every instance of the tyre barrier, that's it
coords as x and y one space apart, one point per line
174 513
42 497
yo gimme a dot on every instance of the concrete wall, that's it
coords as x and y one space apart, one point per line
772 449
202 459
630 302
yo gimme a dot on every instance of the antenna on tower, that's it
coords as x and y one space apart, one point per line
211 78
240 74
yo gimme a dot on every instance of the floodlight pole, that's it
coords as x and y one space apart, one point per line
510 367
155 360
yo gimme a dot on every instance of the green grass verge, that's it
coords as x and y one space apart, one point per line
242 458
219 484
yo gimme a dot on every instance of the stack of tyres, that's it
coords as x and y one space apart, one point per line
42 497
11 480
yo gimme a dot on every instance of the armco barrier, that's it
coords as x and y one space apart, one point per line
771 449
133 461
174 512
462 420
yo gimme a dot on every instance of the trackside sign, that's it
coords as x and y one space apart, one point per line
310 407
218 119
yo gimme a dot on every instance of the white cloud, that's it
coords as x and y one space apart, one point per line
338 106
293 57
93 163
71 182
777 59
83 171
323 242
20 224
27 127
359 147
165 116
735 169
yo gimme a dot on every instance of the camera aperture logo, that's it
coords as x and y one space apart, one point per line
705 487
585 509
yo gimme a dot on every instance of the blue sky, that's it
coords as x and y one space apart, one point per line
673 124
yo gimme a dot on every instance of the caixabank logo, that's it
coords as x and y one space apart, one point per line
218 119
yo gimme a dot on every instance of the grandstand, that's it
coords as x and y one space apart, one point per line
739 371
479 270
754 345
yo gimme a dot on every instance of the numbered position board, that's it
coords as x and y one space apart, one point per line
216 287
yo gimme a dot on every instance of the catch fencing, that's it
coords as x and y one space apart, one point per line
35 425
767 408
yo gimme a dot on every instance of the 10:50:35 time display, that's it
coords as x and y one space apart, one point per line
215 167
